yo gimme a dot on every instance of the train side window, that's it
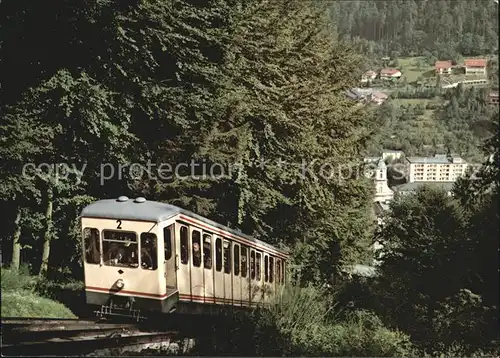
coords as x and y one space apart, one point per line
266 268
236 249
196 242
258 264
244 261
184 245
278 271
271 269
167 240
120 248
149 251
92 245
207 251
218 254
252 265
227 257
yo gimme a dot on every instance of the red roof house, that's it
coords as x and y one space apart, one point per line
475 65
443 66
368 75
390 73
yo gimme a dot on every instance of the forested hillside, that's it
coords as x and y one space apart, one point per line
413 27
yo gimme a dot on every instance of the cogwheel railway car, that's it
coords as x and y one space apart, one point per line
146 256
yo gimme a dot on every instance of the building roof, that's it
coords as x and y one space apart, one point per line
152 211
475 62
389 71
446 185
351 94
380 95
370 73
437 159
443 64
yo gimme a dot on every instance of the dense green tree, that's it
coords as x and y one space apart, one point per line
439 276
272 108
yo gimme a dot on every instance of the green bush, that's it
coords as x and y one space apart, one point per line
304 324
17 280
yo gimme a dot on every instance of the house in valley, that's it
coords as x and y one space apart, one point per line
443 67
475 65
390 73
368 76
379 97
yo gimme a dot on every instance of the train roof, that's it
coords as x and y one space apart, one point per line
141 209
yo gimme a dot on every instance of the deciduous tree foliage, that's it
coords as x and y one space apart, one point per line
225 82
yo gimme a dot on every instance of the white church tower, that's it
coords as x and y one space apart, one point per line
382 191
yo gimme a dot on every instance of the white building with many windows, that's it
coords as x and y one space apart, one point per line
440 168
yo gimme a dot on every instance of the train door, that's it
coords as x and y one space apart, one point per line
278 274
208 274
266 286
228 289
258 277
182 261
197 288
236 275
272 280
253 282
218 273
169 257
245 277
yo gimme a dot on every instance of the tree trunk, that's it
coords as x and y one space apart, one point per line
48 234
16 245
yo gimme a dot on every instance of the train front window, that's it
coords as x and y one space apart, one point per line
149 251
92 247
120 248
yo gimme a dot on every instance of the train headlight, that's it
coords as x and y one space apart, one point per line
120 284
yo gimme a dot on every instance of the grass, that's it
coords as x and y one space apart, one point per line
411 72
23 303
21 299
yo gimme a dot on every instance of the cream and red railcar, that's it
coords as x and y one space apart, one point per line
150 256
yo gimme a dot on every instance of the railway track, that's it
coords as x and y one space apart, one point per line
41 337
